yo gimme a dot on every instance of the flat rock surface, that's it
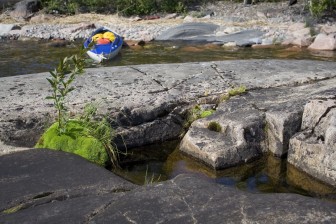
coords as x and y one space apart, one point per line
42 173
41 186
141 94
203 32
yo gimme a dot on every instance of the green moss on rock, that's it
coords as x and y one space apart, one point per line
75 140
206 113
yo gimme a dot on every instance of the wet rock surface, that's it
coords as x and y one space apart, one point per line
52 186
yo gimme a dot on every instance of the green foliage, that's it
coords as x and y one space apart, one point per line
136 7
60 82
152 179
194 114
146 7
318 7
100 130
86 136
124 7
197 112
74 6
214 126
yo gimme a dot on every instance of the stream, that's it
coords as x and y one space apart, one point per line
25 57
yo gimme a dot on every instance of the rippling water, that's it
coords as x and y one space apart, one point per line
25 57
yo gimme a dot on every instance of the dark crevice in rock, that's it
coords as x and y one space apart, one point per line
223 74
63 195
155 80
42 195
97 211
254 106
322 116
295 84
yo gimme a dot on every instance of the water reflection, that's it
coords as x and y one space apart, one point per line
268 174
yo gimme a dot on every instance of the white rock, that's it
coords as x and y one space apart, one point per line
230 44
324 42
5 28
188 19
328 29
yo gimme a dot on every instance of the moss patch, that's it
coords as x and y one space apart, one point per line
206 113
214 126
233 92
77 140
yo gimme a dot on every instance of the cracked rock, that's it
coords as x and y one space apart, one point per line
314 149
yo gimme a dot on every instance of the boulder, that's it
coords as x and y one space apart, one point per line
299 35
25 9
5 29
314 148
188 30
324 42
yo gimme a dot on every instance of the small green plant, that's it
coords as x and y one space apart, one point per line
152 179
100 130
194 114
86 135
197 112
233 92
61 79
214 126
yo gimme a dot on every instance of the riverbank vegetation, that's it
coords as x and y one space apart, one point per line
86 135
317 8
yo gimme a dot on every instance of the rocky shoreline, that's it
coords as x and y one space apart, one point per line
277 23
288 110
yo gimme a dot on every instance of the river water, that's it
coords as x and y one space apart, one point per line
25 57
163 161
